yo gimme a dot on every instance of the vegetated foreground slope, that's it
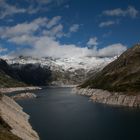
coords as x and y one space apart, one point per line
123 74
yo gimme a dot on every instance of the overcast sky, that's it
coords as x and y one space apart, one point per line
68 28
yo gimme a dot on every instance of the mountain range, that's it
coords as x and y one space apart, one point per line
25 70
121 74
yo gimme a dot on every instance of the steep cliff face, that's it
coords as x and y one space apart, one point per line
17 121
121 75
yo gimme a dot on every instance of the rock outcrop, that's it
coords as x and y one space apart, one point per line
26 95
13 115
111 98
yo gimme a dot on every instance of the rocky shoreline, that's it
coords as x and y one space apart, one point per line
111 98
13 89
26 95
14 116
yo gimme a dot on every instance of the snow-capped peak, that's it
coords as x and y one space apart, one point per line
72 63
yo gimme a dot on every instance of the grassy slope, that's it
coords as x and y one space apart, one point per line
7 81
123 74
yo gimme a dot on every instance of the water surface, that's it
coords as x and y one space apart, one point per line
58 114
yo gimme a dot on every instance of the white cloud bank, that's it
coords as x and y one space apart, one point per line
111 50
42 34
47 46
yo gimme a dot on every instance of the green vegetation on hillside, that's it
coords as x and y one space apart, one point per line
18 75
7 81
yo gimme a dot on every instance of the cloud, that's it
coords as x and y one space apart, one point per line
2 49
28 32
56 31
32 10
53 21
43 5
107 51
33 6
111 50
130 11
8 10
23 28
106 23
23 39
48 47
54 2
42 41
43 46
92 42
107 34
74 28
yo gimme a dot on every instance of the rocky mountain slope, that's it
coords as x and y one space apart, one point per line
14 123
55 71
123 74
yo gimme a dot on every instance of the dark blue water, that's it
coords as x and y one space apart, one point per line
60 115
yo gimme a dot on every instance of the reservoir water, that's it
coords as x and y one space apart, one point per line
58 114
